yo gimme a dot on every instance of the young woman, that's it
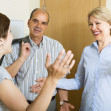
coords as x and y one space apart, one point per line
10 96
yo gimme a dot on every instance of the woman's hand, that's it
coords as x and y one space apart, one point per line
61 66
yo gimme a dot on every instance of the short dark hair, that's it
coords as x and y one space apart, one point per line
4 25
39 9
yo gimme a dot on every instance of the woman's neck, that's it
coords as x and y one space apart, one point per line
1 53
103 43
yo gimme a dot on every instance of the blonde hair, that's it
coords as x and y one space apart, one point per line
101 13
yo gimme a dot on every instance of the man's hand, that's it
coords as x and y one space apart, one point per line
37 87
56 70
25 50
66 107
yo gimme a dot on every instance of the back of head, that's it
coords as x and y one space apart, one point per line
4 25
101 13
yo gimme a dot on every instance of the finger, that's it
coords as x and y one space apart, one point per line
47 63
36 90
71 65
68 60
41 79
27 45
38 85
22 43
34 86
71 106
68 54
58 59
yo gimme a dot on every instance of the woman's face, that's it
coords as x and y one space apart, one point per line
7 43
99 28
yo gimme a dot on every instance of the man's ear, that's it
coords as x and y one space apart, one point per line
28 22
47 26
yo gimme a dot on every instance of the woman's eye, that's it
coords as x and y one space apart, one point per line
98 23
90 24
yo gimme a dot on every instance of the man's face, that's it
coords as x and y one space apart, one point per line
38 24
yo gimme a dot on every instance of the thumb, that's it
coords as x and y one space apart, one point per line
47 63
22 42
41 79
38 80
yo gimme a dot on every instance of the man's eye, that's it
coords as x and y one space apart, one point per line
35 20
44 23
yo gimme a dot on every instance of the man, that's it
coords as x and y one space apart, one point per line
26 62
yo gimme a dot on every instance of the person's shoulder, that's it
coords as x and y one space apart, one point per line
19 40
51 39
88 48
4 74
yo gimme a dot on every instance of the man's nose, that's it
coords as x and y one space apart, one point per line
38 24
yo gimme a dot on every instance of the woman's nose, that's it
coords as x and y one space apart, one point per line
93 27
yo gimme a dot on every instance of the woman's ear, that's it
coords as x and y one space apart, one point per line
1 42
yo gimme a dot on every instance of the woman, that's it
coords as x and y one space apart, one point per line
10 96
94 69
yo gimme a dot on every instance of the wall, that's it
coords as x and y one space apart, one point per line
108 4
34 4
19 10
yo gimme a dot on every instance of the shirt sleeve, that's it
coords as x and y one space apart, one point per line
4 74
74 83
9 58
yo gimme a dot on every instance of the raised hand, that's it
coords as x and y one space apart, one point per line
25 50
61 66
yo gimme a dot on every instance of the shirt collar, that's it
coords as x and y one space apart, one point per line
95 44
40 45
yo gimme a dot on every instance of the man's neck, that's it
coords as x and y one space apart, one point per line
37 40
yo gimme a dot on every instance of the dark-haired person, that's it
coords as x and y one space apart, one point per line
11 99
28 66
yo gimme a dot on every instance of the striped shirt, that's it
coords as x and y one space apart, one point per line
34 67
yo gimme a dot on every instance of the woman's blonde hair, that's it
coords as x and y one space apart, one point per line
101 13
